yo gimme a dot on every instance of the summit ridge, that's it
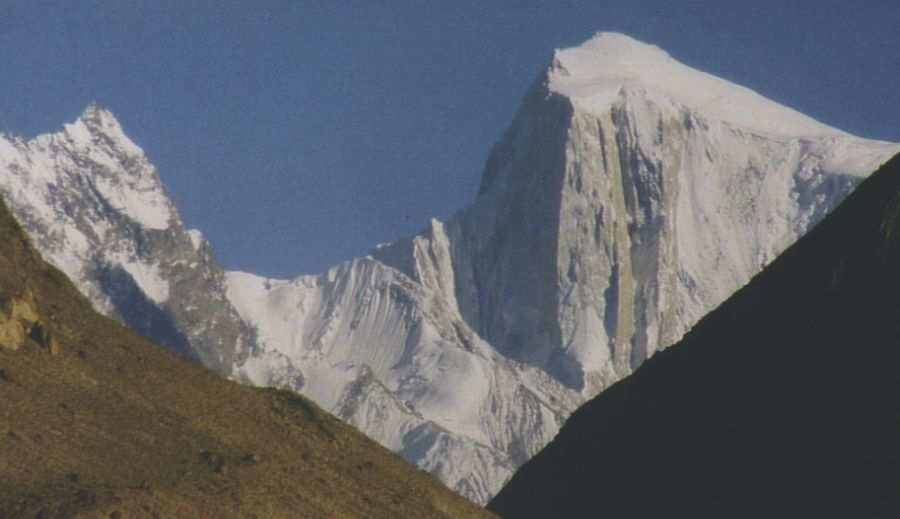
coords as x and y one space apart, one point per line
598 72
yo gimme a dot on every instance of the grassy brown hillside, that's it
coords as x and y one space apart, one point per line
97 422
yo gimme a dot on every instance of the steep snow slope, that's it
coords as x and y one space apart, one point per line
630 196
394 358
94 206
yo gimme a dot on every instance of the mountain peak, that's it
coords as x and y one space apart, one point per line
96 117
97 122
602 71
621 48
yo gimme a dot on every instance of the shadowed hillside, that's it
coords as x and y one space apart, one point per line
783 402
96 422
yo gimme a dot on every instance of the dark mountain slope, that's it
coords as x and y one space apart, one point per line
96 422
783 402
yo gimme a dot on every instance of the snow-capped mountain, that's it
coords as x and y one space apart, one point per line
630 195
94 206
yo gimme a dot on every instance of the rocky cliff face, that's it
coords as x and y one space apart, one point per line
629 196
95 207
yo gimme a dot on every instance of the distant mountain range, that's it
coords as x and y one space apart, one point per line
782 402
97 422
630 196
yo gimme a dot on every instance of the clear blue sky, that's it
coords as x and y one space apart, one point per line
299 134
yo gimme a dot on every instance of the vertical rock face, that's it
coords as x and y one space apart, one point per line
95 207
630 196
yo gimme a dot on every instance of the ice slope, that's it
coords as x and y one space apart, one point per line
394 358
630 196
94 206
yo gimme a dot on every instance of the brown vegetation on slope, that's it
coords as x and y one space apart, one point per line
97 422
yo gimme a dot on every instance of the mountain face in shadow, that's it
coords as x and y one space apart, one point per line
97 422
782 402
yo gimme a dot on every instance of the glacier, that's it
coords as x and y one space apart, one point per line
630 195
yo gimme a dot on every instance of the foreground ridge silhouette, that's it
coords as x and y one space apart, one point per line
782 402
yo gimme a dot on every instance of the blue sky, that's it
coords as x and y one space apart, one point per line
299 134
